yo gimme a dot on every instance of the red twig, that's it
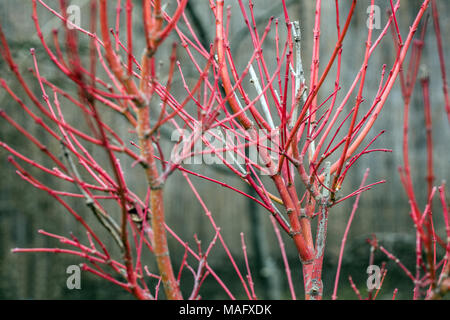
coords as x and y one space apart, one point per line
344 237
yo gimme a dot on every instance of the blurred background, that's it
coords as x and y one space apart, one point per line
383 211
